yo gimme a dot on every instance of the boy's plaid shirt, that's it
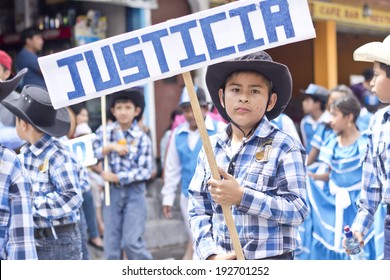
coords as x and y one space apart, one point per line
137 164
273 204
376 171
56 182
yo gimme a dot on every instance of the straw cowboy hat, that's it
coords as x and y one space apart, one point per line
8 86
34 106
374 51
260 62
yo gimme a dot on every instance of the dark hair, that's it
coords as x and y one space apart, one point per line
348 104
368 74
386 68
342 88
250 71
28 33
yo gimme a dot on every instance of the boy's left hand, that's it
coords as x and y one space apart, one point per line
109 177
225 191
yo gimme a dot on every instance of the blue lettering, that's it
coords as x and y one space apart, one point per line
209 37
74 73
155 38
95 72
273 20
189 47
79 150
250 42
135 59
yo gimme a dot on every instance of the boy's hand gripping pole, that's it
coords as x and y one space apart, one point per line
105 162
211 160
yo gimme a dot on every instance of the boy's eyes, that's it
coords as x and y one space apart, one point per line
238 90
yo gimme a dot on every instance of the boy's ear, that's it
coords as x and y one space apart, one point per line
137 111
221 95
272 101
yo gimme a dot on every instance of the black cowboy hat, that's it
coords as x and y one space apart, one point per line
260 62
8 86
135 95
34 106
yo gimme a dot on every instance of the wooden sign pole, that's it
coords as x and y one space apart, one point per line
211 160
105 162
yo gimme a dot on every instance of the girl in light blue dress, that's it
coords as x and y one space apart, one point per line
335 206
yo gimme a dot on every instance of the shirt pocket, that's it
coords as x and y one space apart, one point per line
41 183
261 176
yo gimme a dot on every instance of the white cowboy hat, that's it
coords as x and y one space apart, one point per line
374 51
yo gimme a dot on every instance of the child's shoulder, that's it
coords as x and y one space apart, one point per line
7 155
284 141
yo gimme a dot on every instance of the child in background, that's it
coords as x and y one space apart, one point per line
335 206
313 105
17 226
183 150
376 189
130 167
53 172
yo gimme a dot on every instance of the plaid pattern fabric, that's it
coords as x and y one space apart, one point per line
16 222
273 204
56 182
137 164
376 170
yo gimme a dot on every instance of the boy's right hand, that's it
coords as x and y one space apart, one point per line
167 211
359 236
120 149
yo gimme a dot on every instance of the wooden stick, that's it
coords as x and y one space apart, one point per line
105 163
212 162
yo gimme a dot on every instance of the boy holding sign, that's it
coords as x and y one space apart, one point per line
53 172
263 169
129 151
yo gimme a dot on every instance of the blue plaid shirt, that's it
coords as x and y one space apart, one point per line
56 185
273 204
137 164
16 222
376 170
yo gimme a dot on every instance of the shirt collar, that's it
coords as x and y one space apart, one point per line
263 129
208 122
40 145
134 130
386 116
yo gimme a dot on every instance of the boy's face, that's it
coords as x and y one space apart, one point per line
380 84
246 98
21 127
35 43
4 73
309 105
82 117
189 115
339 122
125 112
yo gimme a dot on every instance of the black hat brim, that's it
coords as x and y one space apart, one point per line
8 86
276 72
59 128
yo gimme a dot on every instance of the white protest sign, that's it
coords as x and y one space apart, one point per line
82 148
173 47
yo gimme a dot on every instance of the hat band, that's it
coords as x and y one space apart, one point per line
40 114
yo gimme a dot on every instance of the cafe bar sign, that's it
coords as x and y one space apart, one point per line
349 15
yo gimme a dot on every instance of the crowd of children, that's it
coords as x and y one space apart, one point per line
291 189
